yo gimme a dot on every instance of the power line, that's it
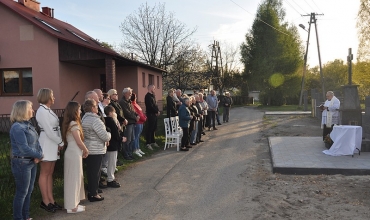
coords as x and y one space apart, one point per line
260 19
317 6
286 1
309 5
299 6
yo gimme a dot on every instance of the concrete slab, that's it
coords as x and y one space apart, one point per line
303 156
288 113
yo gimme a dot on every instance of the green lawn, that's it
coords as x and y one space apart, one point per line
7 185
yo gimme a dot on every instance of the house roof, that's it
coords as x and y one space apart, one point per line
67 32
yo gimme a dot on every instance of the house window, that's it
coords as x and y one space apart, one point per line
151 79
143 78
16 81
157 81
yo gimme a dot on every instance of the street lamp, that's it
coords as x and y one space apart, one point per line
305 61
303 27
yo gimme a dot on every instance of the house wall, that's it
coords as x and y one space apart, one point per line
143 90
126 77
76 78
23 45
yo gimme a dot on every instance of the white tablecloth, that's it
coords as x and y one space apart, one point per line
346 139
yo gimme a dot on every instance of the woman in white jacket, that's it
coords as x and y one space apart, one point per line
51 143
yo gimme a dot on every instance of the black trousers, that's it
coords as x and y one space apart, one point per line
211 119
326 131
151 126
93 164
185 137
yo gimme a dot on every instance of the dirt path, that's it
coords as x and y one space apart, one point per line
229 177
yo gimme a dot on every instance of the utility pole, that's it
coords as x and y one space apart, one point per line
314 21
216 65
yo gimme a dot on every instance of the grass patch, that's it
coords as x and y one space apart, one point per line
7 184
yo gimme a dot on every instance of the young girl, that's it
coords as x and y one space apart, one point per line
114 144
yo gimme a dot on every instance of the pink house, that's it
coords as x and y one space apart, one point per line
38 51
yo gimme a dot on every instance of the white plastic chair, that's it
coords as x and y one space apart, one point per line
171 139
179 129
175 127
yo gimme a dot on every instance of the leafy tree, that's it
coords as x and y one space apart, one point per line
155 36
361 77
272 54
363 24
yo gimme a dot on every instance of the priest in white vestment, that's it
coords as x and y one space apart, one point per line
330 113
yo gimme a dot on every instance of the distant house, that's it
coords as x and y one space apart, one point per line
38 50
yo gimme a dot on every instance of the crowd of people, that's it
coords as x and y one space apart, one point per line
196 114
95 133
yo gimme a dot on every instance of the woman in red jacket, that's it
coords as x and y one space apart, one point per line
138 126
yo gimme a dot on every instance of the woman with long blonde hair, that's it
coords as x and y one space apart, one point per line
72 135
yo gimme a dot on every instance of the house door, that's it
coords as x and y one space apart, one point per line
103 82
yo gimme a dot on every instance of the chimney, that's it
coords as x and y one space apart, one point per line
32 4
48 11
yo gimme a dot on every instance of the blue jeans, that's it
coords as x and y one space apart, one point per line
194 133
129 133
24 172
137 131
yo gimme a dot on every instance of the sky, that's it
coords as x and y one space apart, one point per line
226 21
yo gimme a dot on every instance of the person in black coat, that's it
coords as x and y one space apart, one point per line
171 104
114 145
152 113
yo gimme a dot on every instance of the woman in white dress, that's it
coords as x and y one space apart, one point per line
72 135
51 143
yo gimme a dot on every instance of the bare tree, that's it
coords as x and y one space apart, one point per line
363 22
155 35
187 70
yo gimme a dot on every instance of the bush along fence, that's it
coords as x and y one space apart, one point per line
7 183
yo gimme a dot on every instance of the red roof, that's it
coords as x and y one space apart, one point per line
63 30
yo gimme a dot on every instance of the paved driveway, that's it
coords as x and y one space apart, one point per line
209 182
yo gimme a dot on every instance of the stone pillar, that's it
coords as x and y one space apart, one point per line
110 73
366 119
350 108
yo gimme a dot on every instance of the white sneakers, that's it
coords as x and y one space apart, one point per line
138 153
80 208
142 153
155 145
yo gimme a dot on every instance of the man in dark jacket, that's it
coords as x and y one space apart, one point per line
114 102
227 101
152 113
171 104
132 118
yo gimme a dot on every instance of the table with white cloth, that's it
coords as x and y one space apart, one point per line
347 140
